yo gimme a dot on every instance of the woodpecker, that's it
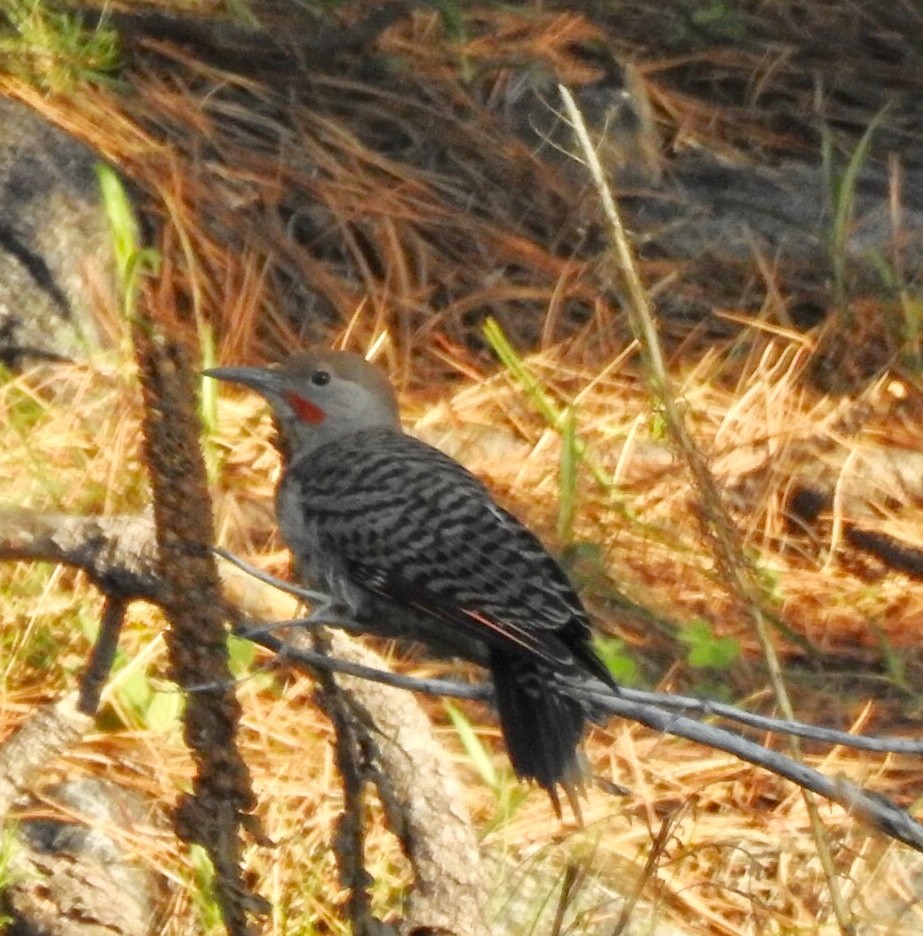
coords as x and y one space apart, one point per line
412 545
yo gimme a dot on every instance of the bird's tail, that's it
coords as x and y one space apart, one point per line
542 726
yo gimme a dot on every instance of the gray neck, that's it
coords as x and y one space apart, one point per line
295 439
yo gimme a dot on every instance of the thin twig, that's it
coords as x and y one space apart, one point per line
872 807
649 708
597 694
315 598
103 654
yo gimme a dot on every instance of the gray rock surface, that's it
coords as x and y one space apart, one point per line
57 282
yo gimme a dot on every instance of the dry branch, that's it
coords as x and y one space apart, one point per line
118 553
657 711
47 733
420 793
416 782
222 798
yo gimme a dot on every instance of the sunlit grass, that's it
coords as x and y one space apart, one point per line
286 742
49 46
566 438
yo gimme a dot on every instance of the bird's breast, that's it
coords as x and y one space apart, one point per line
306 532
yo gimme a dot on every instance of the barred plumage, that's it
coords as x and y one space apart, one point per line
414 546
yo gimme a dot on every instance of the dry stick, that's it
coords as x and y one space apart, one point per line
873 808
717 525
119 555
379 738
349 837
598 698
420 795
647 872
416 781
213 814
252 630
568 886
43 736
103 654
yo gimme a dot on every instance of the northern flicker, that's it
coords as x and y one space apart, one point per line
412 545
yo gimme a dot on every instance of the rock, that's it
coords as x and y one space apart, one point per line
57 272
73 877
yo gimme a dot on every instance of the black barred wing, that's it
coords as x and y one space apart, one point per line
408 523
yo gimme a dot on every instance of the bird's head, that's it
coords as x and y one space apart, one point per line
317 396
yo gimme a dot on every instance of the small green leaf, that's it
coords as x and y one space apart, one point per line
706 649
202 888
612 652
568 473
658 426
894 662
164 712
241 654
584 552
132 260
10 871
134 691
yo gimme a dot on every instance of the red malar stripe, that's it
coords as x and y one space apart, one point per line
304 409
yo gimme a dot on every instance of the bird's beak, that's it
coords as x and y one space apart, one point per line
257 378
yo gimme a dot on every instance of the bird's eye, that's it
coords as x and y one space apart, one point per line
320 378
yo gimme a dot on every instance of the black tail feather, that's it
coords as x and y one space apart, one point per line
542 726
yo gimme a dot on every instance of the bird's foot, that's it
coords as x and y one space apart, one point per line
314 598
327 612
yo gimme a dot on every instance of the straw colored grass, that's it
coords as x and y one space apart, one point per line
738 857
412 254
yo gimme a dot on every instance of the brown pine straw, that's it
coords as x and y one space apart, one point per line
739 858
743 832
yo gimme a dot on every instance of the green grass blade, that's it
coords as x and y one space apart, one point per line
475 750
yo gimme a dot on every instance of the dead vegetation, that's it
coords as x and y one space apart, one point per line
383 197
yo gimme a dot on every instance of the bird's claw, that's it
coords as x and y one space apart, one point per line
316 599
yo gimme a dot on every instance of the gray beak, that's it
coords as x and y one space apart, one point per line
260 379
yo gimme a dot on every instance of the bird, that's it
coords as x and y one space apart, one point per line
412 545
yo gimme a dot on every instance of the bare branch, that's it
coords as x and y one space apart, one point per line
44 735
648 708
118 553
415 778
103 654
217 811
596 696
421 796
873 808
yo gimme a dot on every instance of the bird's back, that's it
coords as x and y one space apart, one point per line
379 513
